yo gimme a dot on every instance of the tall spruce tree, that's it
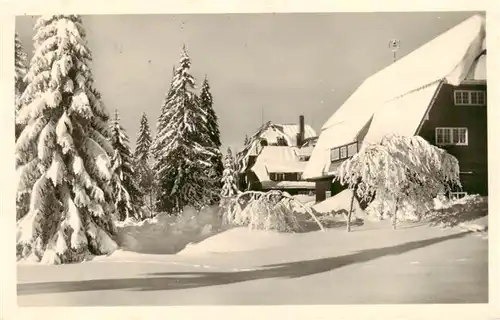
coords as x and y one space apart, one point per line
183 168
143 170
128 195
64 198
161 120
21 68
212 127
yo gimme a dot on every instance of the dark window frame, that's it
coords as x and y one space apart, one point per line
463 97
345 151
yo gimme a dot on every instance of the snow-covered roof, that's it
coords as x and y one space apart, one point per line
305 151
271 132
288 131
401 116
288 185
408 84
277 159
478 69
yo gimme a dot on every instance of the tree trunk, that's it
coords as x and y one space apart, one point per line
151 206
394 216
349 214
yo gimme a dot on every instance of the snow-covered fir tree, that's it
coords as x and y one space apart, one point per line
206 103
21 68
229 187
161 119
128 195
212 127
65 203
143 170
183 168
143 142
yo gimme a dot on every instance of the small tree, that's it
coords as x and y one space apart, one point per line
401 169
229 187
143 170
128 195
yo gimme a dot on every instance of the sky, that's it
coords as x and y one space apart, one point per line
261 67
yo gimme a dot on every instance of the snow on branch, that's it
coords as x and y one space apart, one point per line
273 210
401 169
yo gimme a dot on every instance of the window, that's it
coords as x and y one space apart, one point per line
343 152
282 176
277 176
451 136
352 149
334 154
470 98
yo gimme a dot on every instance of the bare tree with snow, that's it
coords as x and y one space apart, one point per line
401 169
64 198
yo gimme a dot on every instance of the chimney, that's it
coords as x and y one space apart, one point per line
301 134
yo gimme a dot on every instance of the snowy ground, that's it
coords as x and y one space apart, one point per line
372 264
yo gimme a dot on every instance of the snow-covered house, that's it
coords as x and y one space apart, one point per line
437 91
274 157
279 167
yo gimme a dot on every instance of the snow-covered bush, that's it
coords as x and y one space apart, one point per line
451 212
406 211
273 210
401 169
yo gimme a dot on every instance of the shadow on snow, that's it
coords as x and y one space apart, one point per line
188 280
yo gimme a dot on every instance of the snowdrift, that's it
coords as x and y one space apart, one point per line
237 240
338 204
166 234
333 211
305 198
